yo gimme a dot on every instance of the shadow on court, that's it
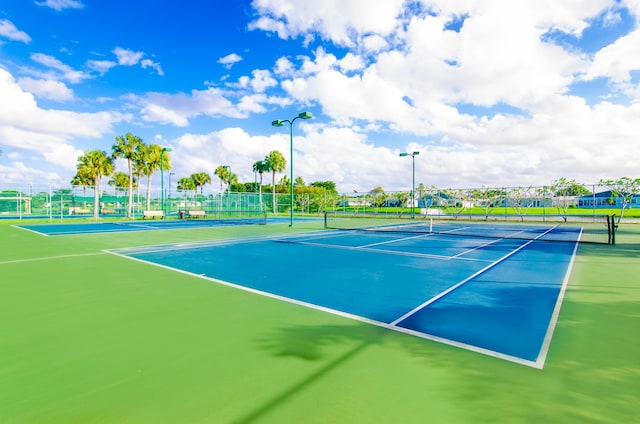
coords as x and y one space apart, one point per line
310 344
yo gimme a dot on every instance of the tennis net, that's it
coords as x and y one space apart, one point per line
569 228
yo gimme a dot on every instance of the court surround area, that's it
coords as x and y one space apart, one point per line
266 323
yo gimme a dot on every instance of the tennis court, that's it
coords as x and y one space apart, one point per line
493 294
128 226
90 336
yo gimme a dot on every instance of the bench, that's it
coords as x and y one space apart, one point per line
197 214
152 214
75 210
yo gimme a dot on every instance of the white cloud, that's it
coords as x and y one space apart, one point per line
336 20
229 60
101 66
47 89
66 72
147 63
19 174
9 30
374 43
61 4
617 60
260 80
127 57
177 109
350 62
25 126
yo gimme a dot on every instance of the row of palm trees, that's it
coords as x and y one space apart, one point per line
142 161
145 159
273 162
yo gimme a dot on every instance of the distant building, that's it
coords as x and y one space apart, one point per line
606 199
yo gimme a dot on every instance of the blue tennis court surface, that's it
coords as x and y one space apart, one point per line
127 226
499 297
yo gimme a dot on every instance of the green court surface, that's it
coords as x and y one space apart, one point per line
91 337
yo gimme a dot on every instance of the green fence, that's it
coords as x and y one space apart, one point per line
73 202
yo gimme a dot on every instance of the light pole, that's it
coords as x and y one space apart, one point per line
279 123
413 183
228 177
164 149
170 174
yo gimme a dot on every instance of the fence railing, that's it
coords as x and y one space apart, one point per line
73 202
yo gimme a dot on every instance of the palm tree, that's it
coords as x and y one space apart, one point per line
200 179
127 147
260 167
231 179
185 184
275 163
148 160
94 165
222 172
83 181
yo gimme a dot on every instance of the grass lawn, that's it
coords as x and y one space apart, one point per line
89 337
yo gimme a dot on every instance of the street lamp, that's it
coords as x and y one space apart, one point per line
279 123
413 184
164 149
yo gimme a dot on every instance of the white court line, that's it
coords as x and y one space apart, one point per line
466 280
542 356
509 237
50 258
366 249
198 244
395 240
29 229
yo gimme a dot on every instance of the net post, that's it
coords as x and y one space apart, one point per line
325 220
614 227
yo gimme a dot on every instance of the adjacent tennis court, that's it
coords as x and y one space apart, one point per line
498 296
128 226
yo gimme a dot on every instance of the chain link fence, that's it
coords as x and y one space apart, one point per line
73 202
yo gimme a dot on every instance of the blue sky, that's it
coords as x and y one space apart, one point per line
489 92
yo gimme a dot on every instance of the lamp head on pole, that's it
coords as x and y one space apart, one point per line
278 123
305 115
404 154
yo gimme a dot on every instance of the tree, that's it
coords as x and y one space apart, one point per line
260 167
127 147
329 186
521 199
565 192
624 188
275 163
83 181
121 180
457 199
200 179
222 172
487 198
185 184
377 192
94 165
148 160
